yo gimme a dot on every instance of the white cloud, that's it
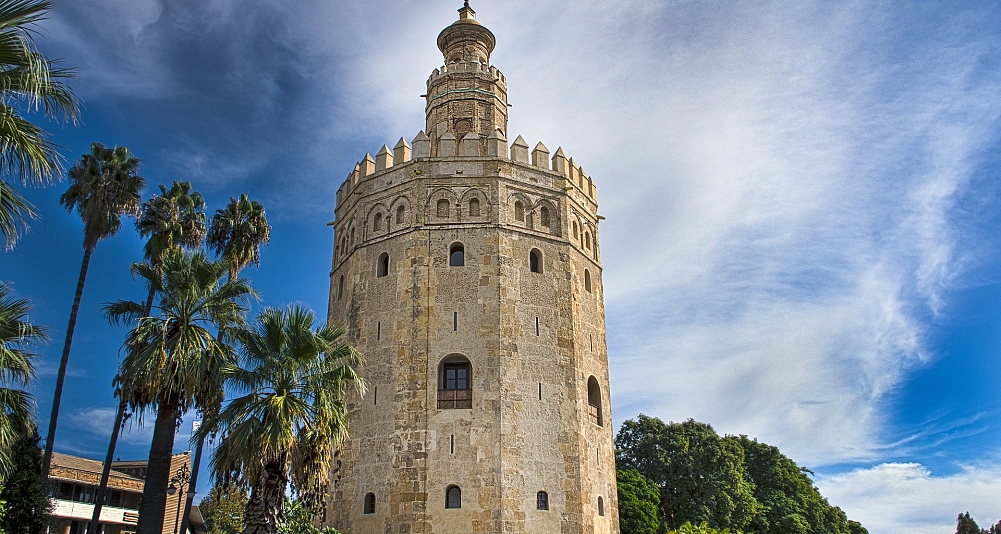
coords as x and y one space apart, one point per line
906 497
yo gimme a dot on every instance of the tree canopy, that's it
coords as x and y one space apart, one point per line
725 482
639 499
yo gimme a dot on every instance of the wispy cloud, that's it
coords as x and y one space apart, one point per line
906 497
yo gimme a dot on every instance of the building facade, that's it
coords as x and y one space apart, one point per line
467 272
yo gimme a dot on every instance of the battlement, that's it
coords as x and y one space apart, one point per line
448 147
472 67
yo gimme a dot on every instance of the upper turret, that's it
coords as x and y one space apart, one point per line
466 40
466 95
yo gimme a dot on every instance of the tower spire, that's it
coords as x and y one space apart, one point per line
466 12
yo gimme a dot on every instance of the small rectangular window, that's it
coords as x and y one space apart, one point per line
456 376
452 444
540 390
455 321
590 338
536 326
375 396
378 331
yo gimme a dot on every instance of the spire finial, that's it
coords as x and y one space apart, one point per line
466 12
465 4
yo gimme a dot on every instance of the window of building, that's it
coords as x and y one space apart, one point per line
456 255
542 500
601 506
352 241
519 211
377 223
115 499
453 497
370 503
340 287
383 267
474 207
455 383
535 261
594 401
544 217
587 280
400 213
587 240
575 229
442 209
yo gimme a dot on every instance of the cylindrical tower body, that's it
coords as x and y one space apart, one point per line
471 283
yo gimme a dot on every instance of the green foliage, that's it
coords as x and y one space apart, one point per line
104 185
701 528
639 499
726 482
18 337
223 509
26 495
966 525
700 475
29 82
170 220
238 232
299 520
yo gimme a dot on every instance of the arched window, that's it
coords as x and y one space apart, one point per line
587 280
442 209
542 500
519 211
535 261
601 506
594 401
575 229
400 212
587 240
340 287
377 223
383 268
352 241
455 383
456 255
474 207
370 503
453 497
544 217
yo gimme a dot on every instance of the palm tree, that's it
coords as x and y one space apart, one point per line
292 416
173 356
105 185
29 82
172 220
17 337
238 232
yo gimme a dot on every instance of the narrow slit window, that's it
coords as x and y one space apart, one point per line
540 390
456 255
601 507
590 338
451 445
378 331
375 396
340 287
455 321
587 240
536 326
587 280
383 267
575 229
594 401
519 211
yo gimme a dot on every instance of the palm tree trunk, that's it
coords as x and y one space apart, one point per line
267 502
102 489
154 499
50 438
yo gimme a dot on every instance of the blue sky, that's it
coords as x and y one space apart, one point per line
801 197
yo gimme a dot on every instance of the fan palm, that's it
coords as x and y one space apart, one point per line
291 417
172 220
104 185
238 232
17 337
29 82
173 356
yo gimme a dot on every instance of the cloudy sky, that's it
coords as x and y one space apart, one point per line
801 197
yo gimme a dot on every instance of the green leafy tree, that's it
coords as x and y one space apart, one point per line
24 490
173 357
284 429
700 474
854 527
299 520
790 503
966 525
223 509
172 220
702 528
18 337
639 499
238 232
104 185
29 82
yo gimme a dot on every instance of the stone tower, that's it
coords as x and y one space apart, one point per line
467 273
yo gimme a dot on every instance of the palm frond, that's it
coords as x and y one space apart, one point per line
15 211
